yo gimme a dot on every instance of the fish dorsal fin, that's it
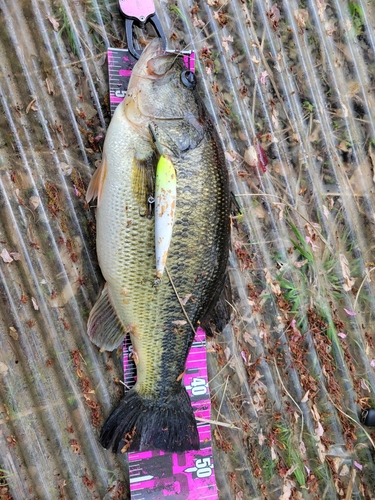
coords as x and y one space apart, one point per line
104 327
95 189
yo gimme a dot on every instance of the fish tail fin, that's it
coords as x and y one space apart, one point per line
139 424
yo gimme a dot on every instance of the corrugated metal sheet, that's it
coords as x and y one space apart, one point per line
293 82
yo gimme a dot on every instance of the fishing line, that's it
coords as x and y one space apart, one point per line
180 301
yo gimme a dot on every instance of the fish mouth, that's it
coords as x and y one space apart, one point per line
154 65
154 61
153 52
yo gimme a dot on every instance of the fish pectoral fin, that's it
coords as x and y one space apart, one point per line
143 178
95 189
104 327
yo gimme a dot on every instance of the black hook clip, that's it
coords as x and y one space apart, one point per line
140 12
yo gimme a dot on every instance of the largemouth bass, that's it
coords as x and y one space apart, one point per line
159 308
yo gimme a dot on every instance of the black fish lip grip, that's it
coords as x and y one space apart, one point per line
139 13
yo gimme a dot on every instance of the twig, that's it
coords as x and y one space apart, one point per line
360 288
223 368
222 399
291 397
353 420
349 491
215 422
292 208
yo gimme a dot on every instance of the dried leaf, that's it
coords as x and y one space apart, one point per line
325 212
31 106
227 353
330 27
65 168
273 15
255 60
300 263
343 146
230 156
275 287
344 470
319 431
287 490
49 85
273 453
290 471
251 157
261 438
248 338
321 8
225 40
15 255
3 368
198 23
348 24
310 241
280 207
263 77
315 413
305 397
354 88
34 201
301 16
55 24
268 275
185 300
349 281
364 385
257 377
321 451
35 304
6 256
13 333
274 118
179 322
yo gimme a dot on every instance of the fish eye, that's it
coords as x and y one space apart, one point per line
188 79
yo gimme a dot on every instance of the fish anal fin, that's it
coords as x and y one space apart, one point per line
95 188
104 327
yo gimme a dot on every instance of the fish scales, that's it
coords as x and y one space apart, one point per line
196 264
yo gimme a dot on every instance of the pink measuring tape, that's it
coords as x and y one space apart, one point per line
154 474
190 475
